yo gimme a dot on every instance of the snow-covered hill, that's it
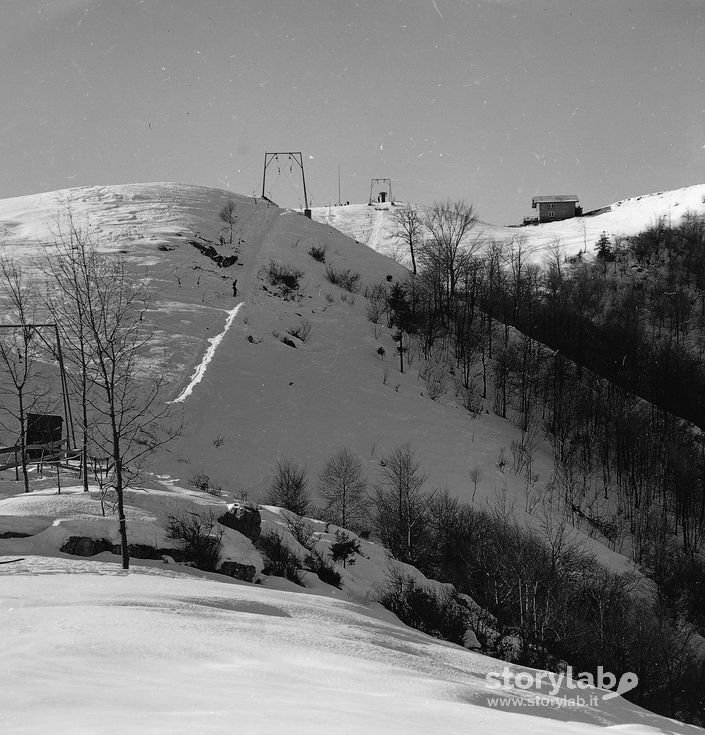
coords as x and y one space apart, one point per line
247 399
258 399
372 225
208 650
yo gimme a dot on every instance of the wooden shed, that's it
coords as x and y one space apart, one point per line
556 206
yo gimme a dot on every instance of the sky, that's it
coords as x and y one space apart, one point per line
491 101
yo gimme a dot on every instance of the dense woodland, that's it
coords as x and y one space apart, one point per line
602 357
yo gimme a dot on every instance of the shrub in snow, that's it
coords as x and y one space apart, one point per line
345 278
284 277
201 538
344 548
471 398
325 571
439 615
304 534
318 253
279 560
376 306
435 378
301 331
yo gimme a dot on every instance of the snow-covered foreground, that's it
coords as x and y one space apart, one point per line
88 648
91 648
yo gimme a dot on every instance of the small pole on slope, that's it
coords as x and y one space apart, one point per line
264 173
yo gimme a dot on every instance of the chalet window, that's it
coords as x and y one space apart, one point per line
551 205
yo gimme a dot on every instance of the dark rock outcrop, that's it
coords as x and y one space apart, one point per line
245 572
85 546
222 261
245 519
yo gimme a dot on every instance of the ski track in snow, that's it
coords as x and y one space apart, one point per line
377 228
207 357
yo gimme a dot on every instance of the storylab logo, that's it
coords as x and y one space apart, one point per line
537 681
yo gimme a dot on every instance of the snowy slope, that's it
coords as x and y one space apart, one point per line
246 398
372 225
265 400
139 214
88 648
204 654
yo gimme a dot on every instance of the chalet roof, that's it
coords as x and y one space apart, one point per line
554 198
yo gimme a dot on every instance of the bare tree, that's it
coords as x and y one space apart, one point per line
227 215
342 486
401 504
19 345
289 488
125 413
65 302
446 250
408 228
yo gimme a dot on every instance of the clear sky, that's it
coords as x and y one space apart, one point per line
493 101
